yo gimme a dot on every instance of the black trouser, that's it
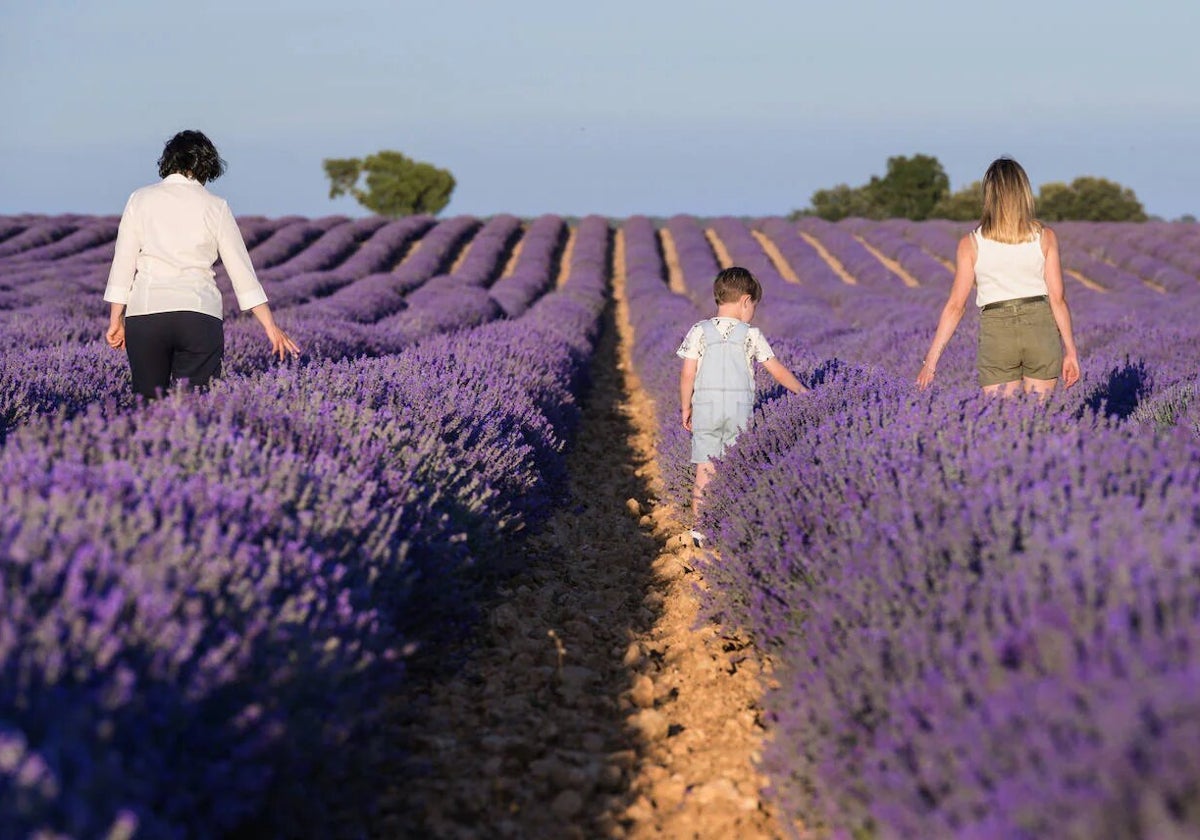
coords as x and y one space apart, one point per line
168 346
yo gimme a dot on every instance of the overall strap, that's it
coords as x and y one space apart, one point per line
712 335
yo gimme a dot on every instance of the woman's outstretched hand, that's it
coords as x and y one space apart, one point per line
1070 369
925 376
115 336
281 342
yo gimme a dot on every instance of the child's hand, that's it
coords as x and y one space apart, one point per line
687 417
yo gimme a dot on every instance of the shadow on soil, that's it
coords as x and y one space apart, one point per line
522 731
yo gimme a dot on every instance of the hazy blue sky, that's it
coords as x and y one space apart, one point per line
611 107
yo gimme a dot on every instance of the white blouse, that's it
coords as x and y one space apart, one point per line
170 235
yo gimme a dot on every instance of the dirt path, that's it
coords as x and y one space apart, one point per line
719 249
833 262
1158 287
889 263
700 781
950 266
564 260
511 265
671 260
590 705
464 248
1086 281
776 257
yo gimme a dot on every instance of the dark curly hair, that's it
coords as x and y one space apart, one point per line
191 153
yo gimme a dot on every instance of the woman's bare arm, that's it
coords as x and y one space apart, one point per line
952 312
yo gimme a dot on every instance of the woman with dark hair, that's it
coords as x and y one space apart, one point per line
1025 338
166 307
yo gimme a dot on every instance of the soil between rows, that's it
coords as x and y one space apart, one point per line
590 704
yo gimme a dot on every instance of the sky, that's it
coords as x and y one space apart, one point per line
612 107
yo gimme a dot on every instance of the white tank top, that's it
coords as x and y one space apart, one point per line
1004 272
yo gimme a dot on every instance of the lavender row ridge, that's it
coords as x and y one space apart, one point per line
207 598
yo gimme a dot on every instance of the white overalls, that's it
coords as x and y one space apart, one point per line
723 396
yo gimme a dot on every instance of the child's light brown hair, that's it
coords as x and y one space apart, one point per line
733 282
1007 204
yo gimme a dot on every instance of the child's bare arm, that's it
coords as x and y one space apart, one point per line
783 376
687 383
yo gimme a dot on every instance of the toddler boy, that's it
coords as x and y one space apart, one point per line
716 385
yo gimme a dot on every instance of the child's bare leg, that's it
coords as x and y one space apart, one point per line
704 474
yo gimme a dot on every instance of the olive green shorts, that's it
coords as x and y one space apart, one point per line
1018 340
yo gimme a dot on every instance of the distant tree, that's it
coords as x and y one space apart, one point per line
911 188
1187 218
1056 201
1088 199
396 185
966 205
840 202
917 188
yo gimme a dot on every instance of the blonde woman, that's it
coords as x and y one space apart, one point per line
1025 340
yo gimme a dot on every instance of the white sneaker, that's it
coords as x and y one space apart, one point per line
698 539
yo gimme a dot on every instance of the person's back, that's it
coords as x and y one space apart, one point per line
1025 337
165 308
1006 271
180 230
716 382
723 396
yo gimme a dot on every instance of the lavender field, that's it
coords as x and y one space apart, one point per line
984 616
204 601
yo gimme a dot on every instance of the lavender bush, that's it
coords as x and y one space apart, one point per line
983 614
204 600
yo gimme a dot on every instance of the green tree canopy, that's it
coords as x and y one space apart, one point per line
1088 199
910 189
965 205
841 202
396 185
917 188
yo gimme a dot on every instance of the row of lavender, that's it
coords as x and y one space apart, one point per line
342 288
204 602
985 615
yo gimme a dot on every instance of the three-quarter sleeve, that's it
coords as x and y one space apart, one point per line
236 258
124 264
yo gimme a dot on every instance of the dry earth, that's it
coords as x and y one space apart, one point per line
889 263
590 704
776 257
830 259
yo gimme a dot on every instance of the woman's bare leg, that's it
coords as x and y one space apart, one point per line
1003 389
1042 387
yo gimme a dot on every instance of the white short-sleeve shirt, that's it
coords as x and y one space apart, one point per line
757 348
170 235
